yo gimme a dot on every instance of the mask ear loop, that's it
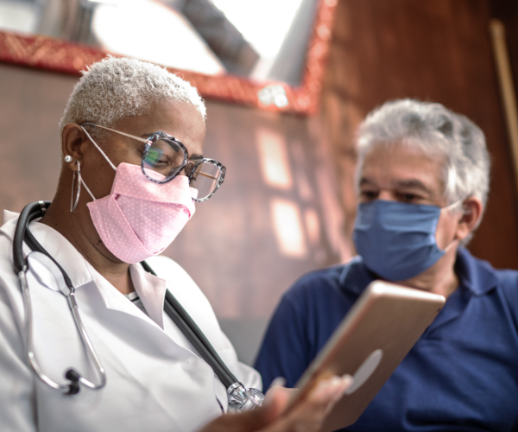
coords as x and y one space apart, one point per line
98 148
448 208
86 187
80 181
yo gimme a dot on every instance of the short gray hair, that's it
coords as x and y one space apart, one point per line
116 88
434 129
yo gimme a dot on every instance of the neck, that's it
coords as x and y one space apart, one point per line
79 230
438 279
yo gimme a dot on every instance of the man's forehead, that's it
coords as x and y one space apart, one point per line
402 166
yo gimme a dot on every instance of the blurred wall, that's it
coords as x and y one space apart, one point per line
432 50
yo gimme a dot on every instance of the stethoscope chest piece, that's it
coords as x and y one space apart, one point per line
242 399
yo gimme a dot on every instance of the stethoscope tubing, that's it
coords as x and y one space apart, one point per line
171 306
195 336
29 213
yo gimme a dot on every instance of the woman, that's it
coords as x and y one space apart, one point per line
126 189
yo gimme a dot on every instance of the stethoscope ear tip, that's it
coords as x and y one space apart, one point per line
73 376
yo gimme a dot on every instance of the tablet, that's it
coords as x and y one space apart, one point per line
370 342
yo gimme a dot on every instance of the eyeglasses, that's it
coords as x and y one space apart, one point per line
166 155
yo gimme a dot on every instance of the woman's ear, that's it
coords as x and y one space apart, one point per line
470 217
73 139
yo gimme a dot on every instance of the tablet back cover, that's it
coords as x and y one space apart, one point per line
374 337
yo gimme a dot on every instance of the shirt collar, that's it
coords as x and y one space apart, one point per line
475 275
355 276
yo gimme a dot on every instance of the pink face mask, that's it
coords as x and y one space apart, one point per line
140 218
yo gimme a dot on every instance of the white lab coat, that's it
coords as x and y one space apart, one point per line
155 381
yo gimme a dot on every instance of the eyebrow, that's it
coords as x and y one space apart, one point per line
364 181
413 183
410 183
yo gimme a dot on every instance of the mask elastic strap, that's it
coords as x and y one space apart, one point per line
446 208
445 250
98 148
86 187
453 204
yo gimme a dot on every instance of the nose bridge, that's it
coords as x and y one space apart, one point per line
386 195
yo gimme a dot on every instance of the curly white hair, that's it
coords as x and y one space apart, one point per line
115 88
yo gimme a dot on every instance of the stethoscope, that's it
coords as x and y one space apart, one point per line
239 397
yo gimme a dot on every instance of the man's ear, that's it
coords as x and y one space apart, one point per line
470 217
73 140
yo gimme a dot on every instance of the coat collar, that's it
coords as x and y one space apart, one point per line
56 245
475 275
151 289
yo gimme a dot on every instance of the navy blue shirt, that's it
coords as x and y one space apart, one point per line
461 375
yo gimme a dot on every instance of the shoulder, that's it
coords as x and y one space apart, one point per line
508 288
509 284
12 319
486 279
482 272
8 278
337 277
326 285
6 246
326 277
508 278
317 282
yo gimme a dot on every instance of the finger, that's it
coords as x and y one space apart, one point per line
309 415
249 421
329 393
275 403
278 382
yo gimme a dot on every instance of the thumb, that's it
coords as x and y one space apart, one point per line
274 405
249 421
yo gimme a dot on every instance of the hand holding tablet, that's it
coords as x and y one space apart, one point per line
373 338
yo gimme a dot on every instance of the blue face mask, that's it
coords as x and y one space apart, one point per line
397 240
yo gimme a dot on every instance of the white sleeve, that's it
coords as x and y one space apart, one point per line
17 410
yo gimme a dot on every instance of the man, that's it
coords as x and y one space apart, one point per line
422 179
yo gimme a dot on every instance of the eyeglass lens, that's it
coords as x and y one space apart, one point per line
205 178
165 157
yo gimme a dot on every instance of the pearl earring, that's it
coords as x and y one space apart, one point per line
68 158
